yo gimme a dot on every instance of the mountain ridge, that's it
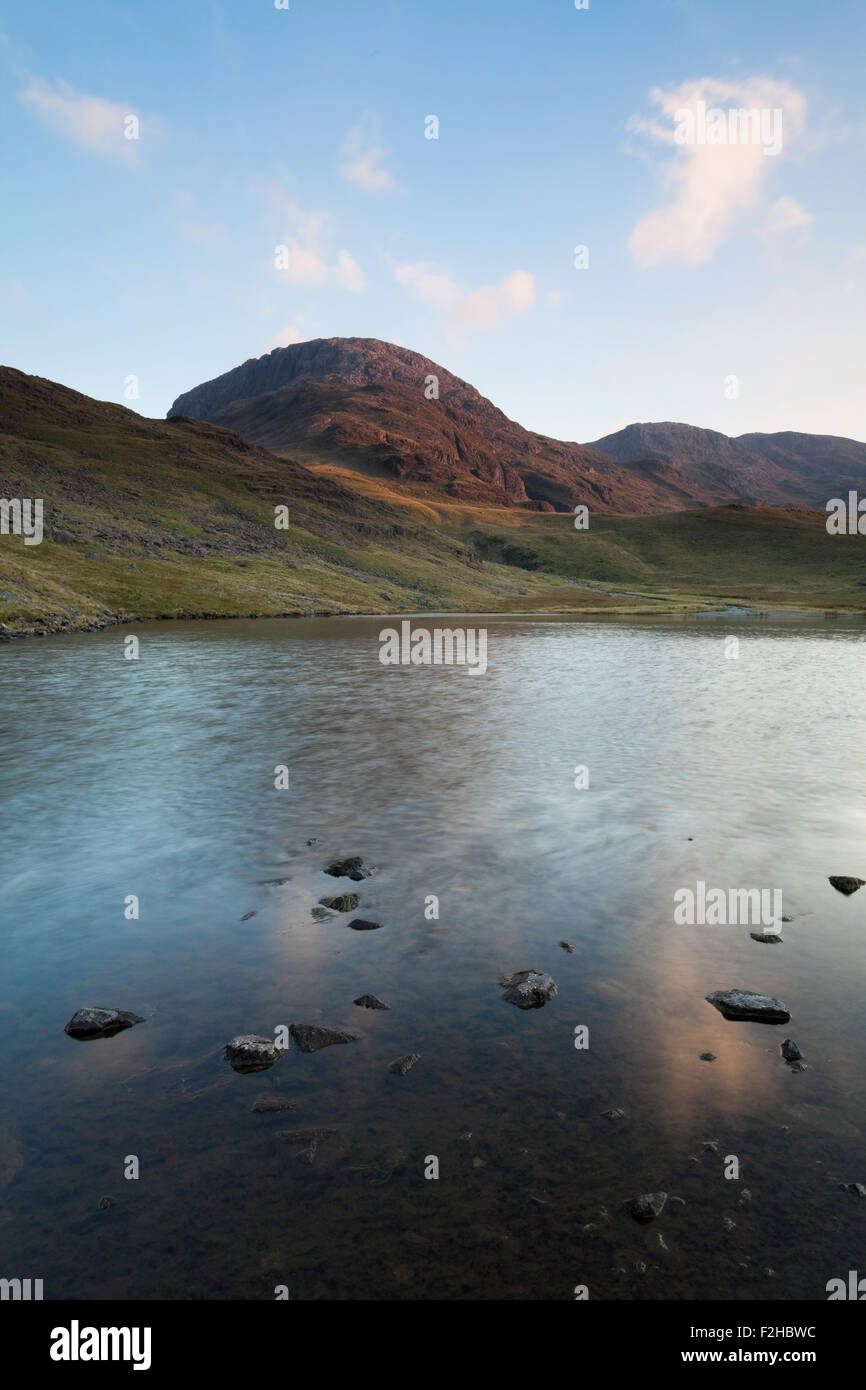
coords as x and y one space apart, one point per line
379 408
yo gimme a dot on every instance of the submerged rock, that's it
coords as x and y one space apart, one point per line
96 1022
843 884
766 936
344 902
369 1001
856 1187
742 1004
105 1203
248 1053
322 914
529 989
568 946
348 868
310 1037
615 1114
304 1143
269 1103
360 925
708 1056
404 1064
247 915
790 1051
648 1206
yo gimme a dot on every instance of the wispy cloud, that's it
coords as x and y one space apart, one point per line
484 308
785 216
362 157
109 128
285 338
304 260
717 167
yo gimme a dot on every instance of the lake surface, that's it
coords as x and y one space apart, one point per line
155 778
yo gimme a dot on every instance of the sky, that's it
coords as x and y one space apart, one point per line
184 186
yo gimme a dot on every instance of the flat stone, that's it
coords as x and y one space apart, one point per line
529 989
248 1053
369 1001
742 1004
96 1022
359 924
843 884
568 946
708 1056
766 937
648 1206
404 1064
343 902
310 1037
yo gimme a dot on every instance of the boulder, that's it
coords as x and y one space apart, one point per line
404 1064
248 1053
348 868
369 1001
310 1037
843 884
96 1022
344 902
648 1206
529 989
743 1004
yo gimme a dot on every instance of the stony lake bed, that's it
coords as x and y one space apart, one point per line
387 1032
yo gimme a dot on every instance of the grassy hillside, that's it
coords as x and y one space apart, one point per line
149 519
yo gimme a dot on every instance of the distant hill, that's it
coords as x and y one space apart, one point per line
785 469
361 403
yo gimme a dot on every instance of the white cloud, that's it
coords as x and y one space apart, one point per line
787 215
433 286
284 338
708 187
489 307
303 260
362 157
484 308
91 122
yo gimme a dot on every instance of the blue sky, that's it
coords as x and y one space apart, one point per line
725 286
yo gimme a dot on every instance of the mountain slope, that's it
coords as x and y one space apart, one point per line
176 518
361 403
784 468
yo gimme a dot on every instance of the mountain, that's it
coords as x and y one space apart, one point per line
783 469
361 403
175 518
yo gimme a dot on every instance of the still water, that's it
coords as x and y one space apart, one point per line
155 778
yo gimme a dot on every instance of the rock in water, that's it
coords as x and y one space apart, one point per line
96 1022
529 989
247 1053
344 902
404 1064
268 1104
843 884
568 946
310 1037
708 1056
348 868
765 937
648 1206
742 1004
790 1051
304 1143
369 1001
360 925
